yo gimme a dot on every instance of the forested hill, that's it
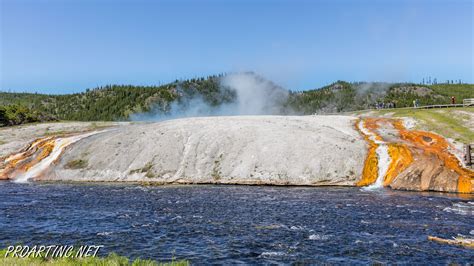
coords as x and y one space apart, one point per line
119 102
108 103
343 96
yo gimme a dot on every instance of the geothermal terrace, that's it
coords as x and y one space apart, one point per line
273 150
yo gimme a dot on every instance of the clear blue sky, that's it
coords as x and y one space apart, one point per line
68 46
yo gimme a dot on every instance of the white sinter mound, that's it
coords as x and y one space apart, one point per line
281 150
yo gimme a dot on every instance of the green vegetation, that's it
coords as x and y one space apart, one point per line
342 96
76 164
460 91
112 259
338 97
216 170
14 114
104 103
55 133
147 169
451 123
109 103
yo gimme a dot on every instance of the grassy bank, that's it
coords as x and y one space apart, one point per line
455 123
111 259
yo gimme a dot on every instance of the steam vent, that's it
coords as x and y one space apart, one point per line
273 150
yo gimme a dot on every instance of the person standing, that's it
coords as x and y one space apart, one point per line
453 100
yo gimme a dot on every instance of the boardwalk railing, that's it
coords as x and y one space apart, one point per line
468 102
441 106
465 103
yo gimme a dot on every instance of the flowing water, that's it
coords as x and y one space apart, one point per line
38 157
382 167
246 224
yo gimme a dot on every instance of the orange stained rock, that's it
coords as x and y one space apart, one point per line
26 159
46 150
433 144
465 184
370 171
16 160
401 158
371 125
400 155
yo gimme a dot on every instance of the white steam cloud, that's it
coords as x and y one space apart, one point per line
254 96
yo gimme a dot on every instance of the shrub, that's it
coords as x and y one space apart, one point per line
76 164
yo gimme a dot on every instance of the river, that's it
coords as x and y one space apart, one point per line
239 224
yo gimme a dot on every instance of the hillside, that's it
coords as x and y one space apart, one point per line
216 95
343 96
108 103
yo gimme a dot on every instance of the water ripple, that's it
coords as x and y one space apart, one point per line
239 224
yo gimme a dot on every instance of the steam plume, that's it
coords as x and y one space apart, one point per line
254 95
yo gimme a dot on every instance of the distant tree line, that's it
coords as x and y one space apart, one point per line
120 102
110 102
